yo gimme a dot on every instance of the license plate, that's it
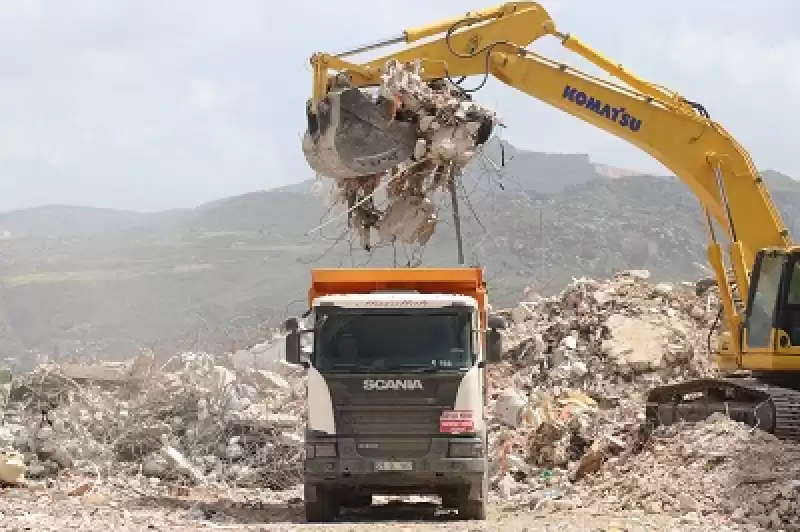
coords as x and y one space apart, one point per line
456 421
392 466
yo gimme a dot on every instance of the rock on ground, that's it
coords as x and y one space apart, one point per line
132 506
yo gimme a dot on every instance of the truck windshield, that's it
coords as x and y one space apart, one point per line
388 340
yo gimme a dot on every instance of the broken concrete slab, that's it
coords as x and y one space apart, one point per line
12 468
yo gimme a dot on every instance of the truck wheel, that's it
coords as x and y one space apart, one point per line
470 509
323 509
450 501
357 501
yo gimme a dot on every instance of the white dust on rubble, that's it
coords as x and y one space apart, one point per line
590 353
571 393
596 332
448 124
716 467
566 408
195 419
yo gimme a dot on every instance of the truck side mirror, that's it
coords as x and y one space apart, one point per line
497 323
494 346
494 341
293 350
291 325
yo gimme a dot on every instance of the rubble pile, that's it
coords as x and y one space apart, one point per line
571 393
621 330
566 410
195 418
716 467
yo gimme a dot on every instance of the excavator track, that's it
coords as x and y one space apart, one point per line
754 400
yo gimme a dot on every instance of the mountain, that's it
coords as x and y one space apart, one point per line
50 221
546 173
70 220
217 276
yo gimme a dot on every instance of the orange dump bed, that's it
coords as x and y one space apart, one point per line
341 281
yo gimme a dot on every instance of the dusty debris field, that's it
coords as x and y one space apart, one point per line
203 443
125 506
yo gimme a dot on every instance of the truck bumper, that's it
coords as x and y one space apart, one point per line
426 476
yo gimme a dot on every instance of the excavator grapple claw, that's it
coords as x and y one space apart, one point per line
353 135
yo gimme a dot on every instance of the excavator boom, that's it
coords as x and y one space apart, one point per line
749 236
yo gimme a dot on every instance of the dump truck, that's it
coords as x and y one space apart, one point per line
395 360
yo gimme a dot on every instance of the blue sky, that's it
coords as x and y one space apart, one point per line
151 105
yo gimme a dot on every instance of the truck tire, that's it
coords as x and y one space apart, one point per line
471 509
324 508
450 501
357 501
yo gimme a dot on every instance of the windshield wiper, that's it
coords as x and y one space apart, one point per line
371 369
428 368
356 369
407 368
424 369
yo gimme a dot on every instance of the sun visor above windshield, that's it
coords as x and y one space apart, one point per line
396 301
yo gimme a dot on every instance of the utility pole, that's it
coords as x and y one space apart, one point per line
541 247
451 181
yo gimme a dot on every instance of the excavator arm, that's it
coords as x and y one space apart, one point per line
355 136
678 133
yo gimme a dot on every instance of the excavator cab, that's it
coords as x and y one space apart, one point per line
772 320
767 396
792 313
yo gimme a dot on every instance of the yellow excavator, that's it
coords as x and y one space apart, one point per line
759 352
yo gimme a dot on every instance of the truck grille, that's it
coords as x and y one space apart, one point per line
394 448
356 421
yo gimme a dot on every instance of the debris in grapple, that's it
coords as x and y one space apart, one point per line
413 133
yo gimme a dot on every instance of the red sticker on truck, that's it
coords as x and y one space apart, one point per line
456 421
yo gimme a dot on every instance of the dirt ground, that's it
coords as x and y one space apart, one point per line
124 507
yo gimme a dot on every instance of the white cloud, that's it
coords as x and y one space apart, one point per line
206 95
133 137
105 103
20 9
751 61
13 145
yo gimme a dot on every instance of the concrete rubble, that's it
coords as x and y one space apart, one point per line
566 408
194 419
718 467
580 362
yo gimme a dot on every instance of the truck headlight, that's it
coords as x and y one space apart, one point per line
472 449
325 450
